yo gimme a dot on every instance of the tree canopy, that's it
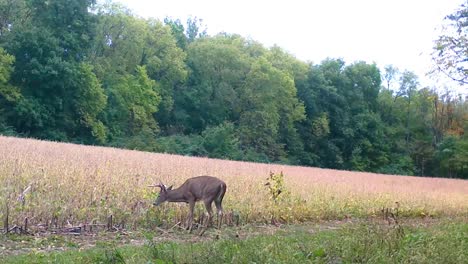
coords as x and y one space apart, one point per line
75 71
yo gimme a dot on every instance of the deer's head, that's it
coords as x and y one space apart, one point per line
162 197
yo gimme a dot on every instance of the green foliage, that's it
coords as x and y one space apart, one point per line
13 13
215 142
179 144
321 126
97 74
125 42
111 256
276 186
194 29
218 67
221 142
90 101
177 30
283 206
263 116
344 130
69 21
452 157
352 243
9 94
60 93
165 63
133 99
6 68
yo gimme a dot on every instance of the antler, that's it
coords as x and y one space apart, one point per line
160 185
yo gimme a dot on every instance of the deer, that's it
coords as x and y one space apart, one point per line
200 188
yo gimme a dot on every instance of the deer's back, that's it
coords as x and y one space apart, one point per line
202 186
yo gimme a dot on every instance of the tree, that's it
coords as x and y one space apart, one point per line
9 94
178 31
89 100
186 34
321 98
194 29
268 101
133 99
50 51
408 86
125 42
452 156
165 63
297 70
119 43
390 76
13 13
218 67
7 91
69 21
221 142
74 71
451 49
364 83
392 112
364 145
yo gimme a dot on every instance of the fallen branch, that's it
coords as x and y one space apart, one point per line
176 225
22 196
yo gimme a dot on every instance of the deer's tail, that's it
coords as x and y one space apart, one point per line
222 191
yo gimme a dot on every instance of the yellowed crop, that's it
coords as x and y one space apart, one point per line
79 184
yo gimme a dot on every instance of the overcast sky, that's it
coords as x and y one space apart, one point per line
398 32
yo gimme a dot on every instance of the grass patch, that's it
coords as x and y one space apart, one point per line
351 243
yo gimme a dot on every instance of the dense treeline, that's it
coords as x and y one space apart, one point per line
73 71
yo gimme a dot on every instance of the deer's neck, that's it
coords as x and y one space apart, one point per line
176 195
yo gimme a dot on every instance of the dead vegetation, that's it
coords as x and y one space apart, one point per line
73 188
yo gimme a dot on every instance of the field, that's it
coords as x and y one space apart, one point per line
57 185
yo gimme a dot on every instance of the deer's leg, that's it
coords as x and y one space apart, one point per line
218 202
219 209
190 216
209 211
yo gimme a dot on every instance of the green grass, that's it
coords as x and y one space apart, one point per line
350 243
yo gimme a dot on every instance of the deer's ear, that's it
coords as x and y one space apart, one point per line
169 188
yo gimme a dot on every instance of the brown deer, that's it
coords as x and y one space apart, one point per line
201 188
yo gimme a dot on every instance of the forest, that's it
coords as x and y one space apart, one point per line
97 74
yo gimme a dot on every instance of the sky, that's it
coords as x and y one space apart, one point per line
397 32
